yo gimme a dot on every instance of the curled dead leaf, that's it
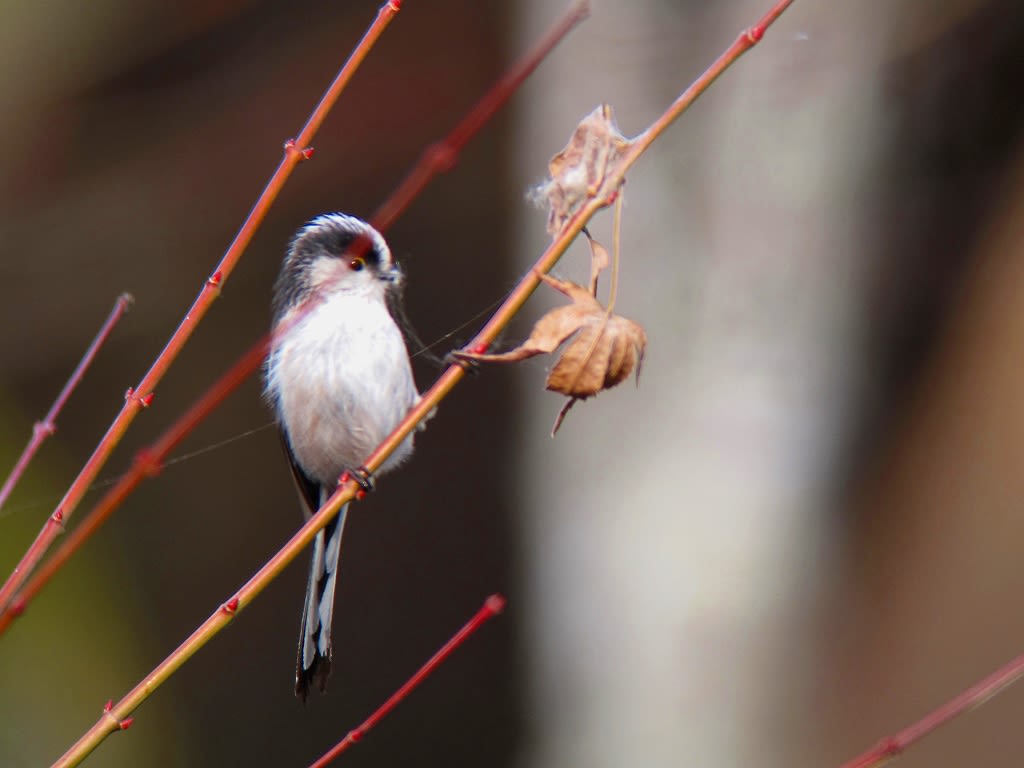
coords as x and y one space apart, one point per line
603 351
581 170
600 356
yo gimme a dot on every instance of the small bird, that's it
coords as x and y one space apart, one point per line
339 379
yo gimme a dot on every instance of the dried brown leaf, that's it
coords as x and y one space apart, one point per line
580 171
552 329
603 349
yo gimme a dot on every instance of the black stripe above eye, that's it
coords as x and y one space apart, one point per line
331 235
343 244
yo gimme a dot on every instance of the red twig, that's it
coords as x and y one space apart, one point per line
148 462
893 746
747 39
442 155
296 150
492 606
43 429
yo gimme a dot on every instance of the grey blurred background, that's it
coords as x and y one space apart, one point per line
800 533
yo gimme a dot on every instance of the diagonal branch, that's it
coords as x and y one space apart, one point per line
492 606
442 155
973 697
43 429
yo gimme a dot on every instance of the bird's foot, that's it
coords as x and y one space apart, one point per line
361 476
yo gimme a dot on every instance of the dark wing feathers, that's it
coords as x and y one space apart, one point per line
308 489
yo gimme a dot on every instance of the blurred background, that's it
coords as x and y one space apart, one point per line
800 533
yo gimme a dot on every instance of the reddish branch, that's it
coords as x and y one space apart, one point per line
43 429
148 463
492 606
442 155
893 746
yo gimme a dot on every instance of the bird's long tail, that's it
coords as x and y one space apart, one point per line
313 665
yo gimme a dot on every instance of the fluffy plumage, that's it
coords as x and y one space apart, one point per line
340 380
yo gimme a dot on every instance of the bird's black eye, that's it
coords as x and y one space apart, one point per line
357 264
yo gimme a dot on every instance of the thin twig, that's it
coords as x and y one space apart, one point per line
442 155
43 429
492 606
973 697
137 398
116 715
148 463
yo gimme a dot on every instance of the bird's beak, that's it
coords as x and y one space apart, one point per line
391 275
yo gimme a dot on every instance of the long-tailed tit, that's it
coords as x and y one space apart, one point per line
340 381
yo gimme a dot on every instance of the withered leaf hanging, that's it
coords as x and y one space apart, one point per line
603 351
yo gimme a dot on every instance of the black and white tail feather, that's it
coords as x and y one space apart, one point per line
340 380
313 660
